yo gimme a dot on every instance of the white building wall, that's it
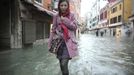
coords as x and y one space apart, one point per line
95 9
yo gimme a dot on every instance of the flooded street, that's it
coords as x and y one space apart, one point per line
105 56
104 30
97 56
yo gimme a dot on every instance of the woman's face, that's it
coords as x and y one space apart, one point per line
63 6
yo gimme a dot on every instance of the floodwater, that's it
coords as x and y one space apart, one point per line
97 56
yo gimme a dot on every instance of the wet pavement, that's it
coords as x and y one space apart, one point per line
106 55
97 56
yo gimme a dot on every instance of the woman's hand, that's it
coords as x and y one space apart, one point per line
62 18
65 20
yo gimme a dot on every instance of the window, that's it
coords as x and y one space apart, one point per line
93 24
111 21
101 16
39 1
115 20
119 18
105 16
114 10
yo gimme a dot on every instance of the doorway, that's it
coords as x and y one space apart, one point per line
5 23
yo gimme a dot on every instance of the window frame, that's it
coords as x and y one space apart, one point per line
119 18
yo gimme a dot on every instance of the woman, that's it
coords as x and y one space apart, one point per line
64 25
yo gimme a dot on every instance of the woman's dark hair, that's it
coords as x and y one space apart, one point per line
68 10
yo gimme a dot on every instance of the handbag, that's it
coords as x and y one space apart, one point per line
55 43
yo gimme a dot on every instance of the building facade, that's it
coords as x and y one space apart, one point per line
119 12
23 23
103 21
94 18
114 18
37 20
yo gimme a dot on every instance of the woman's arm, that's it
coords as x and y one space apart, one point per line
52 32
